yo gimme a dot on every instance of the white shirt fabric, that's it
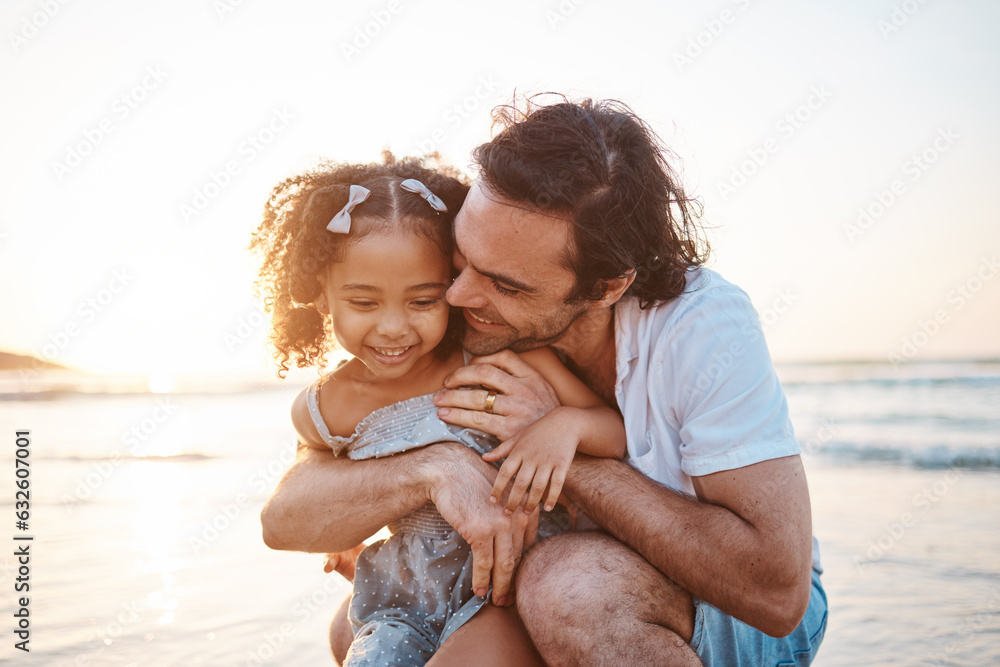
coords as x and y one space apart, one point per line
696 386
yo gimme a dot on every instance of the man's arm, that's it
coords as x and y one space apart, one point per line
311 510
326 503
329 504
744 545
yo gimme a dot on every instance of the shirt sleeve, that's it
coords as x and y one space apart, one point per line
728 404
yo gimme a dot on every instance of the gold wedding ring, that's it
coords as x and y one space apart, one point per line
491 397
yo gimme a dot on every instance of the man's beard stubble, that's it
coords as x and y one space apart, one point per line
481 344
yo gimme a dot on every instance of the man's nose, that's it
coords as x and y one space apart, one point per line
463 292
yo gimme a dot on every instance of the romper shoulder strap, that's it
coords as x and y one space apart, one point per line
312 400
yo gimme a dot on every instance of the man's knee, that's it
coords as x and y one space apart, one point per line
568 580
561 560
551 571
565 580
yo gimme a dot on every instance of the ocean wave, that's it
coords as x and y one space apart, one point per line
169 458
978 381
930 457
933 373
954 423
117 391
61 385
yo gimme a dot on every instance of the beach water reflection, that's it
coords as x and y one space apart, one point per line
152 554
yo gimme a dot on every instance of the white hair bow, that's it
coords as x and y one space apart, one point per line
416 187
341 223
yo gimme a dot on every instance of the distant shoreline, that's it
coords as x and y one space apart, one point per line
12 362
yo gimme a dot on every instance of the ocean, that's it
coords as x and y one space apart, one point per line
146 548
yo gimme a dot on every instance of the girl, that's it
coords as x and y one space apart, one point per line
362 253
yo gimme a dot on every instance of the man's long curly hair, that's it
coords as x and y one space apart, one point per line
295 247
601 167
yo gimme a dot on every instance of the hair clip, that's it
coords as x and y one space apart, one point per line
416 187
341 223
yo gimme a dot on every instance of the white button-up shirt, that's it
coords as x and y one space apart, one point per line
696 385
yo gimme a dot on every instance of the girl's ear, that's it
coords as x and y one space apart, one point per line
321 305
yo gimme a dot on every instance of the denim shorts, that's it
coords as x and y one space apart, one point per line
722 641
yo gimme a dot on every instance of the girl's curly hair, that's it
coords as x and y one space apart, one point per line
295 246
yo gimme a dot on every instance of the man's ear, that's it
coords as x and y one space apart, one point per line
615 288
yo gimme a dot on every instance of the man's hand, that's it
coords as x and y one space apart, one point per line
538 459
523 395
461 491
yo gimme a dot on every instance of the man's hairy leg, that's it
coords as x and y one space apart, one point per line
587 599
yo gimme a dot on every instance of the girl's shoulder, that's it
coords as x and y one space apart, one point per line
340 404
333 406
304 423
326 408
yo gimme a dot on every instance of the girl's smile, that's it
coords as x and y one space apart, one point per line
391 356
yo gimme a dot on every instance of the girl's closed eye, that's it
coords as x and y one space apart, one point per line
426 303
362 304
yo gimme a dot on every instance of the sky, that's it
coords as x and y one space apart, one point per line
844 153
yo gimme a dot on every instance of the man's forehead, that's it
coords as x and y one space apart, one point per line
482 195
499 236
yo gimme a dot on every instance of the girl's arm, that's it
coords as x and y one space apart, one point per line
345 561
601 429
303 423
539 456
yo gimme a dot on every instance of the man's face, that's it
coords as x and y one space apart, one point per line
513 281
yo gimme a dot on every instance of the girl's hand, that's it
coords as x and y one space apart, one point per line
538 458
343 562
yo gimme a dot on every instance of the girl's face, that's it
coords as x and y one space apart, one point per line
387 301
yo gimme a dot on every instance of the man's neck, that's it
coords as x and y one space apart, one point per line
589 345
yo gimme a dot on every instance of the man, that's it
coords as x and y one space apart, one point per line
578 235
